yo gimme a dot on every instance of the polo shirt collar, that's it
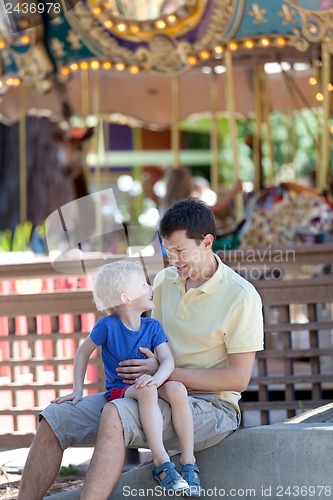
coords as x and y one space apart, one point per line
210 285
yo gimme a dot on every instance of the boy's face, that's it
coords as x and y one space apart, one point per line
139 292
186 254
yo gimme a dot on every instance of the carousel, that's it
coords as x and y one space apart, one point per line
70 68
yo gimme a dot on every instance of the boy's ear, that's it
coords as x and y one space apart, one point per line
124 299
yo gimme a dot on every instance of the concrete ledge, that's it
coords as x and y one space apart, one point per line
273 461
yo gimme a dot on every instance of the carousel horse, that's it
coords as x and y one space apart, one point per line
70 157
286 216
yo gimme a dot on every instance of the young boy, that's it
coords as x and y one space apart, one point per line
122 292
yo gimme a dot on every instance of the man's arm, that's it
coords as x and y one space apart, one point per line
234 377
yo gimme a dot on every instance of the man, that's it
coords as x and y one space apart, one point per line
213 320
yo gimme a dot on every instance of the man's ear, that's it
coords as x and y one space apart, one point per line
124 299
208 241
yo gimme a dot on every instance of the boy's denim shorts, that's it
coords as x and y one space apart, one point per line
76 424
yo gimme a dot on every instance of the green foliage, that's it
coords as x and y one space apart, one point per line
3 472
21 237
5 240
69 470
294 139
19 240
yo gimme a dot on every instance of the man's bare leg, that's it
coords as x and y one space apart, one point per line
108 459
42 465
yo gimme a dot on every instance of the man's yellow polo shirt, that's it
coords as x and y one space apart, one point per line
204 324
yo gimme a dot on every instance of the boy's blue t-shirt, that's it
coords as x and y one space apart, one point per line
119 343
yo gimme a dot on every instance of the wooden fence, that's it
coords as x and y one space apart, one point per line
40 331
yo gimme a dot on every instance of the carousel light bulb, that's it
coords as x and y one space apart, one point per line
74 66
24 24
120 66
108 23
330 87
25 40
172 18
65 71
160 24
122 27
233 46
249 44
95 65
134 28
312 80
16 82
264 42
97 10
2 44
192 60
319 96
204 54
281 41
134 69
331 129
84 65
107 65
9 82
218 49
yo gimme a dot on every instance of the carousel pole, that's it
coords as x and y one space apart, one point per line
233 130
23 156
267 119
175 143
324 163
214 136
137 171
257 139
84 80
100 153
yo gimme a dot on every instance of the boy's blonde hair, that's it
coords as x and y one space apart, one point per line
111 281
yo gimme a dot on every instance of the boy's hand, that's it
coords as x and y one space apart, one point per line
73 398
131 369
144 380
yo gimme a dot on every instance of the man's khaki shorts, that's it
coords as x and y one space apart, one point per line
213 420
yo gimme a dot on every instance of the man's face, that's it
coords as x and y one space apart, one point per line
185 254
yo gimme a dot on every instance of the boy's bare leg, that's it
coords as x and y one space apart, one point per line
151 421
42 465
182 420
108 459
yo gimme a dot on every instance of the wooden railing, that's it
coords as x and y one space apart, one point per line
40 332
295 370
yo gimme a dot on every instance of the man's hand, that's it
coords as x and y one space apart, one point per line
131 369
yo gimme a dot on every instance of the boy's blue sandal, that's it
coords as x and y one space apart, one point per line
191 475
172 480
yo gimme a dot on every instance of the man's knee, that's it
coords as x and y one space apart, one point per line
111 416
44 429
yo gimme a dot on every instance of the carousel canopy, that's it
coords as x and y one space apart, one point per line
106 57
